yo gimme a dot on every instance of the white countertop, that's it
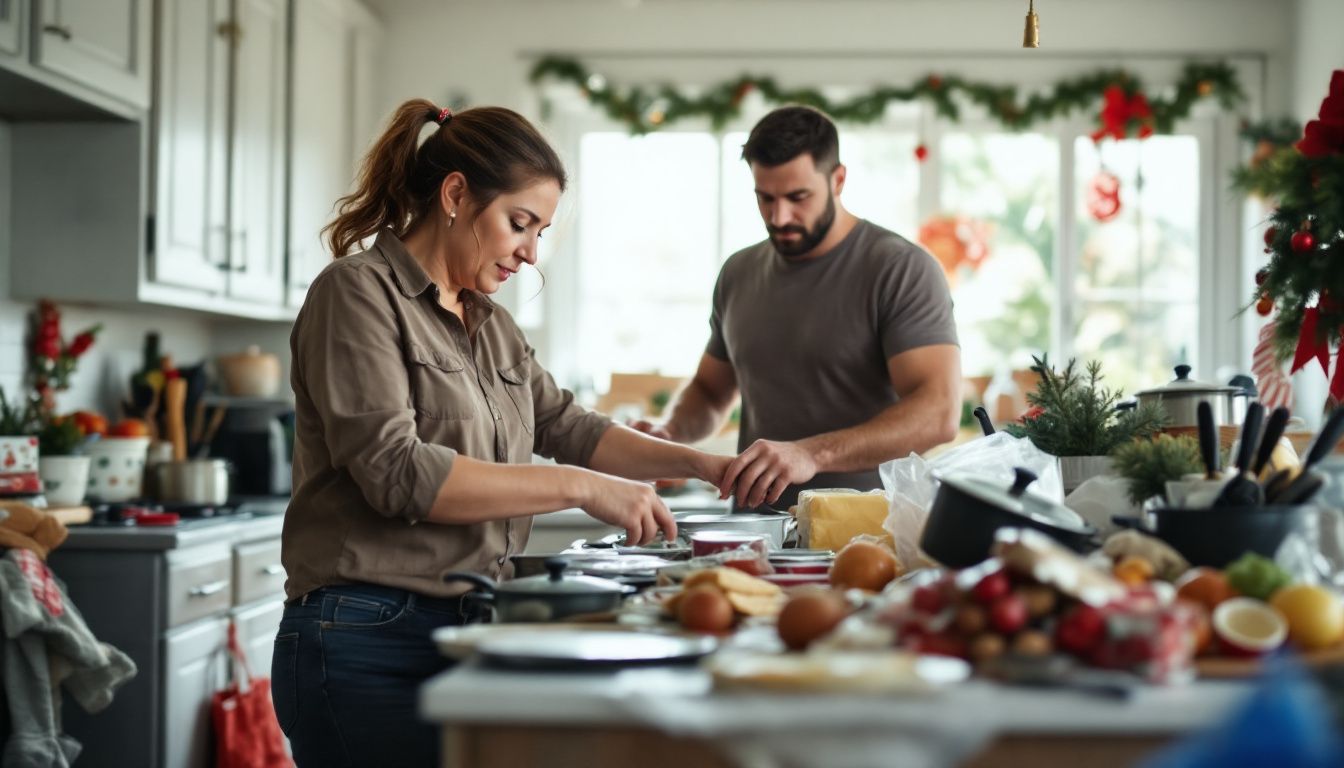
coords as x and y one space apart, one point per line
930 729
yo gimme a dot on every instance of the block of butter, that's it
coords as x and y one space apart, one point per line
828 518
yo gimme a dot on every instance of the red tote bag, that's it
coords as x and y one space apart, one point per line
247 734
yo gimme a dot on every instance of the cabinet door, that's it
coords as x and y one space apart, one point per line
320 166
257 625
196 664
11 26
367 111
257 178
190 233
103 44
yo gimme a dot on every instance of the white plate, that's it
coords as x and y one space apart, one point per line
562 650
885 672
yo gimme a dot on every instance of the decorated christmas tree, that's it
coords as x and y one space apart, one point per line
1303 283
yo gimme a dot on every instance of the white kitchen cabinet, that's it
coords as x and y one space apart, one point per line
11 26
103 44
336 55
190 233
196 664
257 152
257 626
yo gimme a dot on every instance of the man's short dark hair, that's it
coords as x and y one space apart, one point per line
790 131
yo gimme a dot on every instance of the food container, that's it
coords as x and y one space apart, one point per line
65 479
711 542
196 481
1180 400
117 468
968 511
552 597
250 373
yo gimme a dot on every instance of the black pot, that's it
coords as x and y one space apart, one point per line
968 511
1217 536
552 597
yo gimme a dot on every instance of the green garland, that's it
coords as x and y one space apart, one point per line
646 109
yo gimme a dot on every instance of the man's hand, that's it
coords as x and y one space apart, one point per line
651 429
764 470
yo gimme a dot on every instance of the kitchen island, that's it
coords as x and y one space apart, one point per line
669 716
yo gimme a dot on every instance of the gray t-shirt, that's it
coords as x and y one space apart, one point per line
809 340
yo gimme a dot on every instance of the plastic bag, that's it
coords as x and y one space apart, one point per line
911 482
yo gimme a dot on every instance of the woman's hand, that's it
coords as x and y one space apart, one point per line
628 504
711 467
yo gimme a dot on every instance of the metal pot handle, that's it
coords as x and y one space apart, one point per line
1130 522
475 579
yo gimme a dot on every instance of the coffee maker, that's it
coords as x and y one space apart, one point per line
259 443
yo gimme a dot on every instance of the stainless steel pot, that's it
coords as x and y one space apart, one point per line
1180 400
195 481
551 597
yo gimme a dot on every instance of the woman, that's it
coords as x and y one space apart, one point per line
419 407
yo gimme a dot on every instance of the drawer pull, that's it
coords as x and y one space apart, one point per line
211 588
274 569
60 31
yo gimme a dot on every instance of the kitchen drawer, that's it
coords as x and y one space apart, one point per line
257 572
199 583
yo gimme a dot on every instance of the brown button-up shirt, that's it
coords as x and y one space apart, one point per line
389 388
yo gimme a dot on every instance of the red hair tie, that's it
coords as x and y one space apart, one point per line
445 115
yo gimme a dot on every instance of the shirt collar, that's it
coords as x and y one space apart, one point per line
408 273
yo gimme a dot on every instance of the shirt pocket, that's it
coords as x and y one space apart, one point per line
438 383
517 383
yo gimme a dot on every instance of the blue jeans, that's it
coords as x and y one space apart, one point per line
348 664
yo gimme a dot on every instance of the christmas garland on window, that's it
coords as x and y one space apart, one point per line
1128 109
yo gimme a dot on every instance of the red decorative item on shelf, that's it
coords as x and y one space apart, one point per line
1103 196
51 362
921 152
1325 135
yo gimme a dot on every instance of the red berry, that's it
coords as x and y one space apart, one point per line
928 599
1270 234
1261 276
921 153
1081 630
1008 614
991 587
1303 242
942 645
1264 306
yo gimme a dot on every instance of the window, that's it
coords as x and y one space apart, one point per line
1050 277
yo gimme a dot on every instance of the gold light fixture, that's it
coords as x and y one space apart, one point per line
1031 36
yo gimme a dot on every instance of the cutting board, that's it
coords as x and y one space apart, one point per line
1225 667
71 515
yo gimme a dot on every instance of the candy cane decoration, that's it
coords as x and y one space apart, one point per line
1275 389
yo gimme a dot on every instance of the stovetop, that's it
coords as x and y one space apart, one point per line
147 513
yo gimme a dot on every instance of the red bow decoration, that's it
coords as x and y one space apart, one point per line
1325 135
1120 110
1312 344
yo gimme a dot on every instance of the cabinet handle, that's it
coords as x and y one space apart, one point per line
230 31
208 589
60 31
274 569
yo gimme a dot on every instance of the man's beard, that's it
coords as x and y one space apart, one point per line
809 239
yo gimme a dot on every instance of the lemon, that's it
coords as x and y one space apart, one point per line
1315 615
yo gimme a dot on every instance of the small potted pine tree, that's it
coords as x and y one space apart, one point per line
1075 418
65 474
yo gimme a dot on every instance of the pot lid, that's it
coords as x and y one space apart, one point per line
726 517
1018 500
1184 385
556 582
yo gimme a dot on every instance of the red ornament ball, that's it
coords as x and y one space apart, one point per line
1270 234
1303 242
1264 306
921 153
1261 277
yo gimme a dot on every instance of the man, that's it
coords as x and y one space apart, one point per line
838 334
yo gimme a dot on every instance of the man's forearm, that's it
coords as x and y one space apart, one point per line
913 425
694 414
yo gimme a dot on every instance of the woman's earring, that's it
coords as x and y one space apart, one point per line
452 218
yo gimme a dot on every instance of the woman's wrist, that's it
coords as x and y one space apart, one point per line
575 485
